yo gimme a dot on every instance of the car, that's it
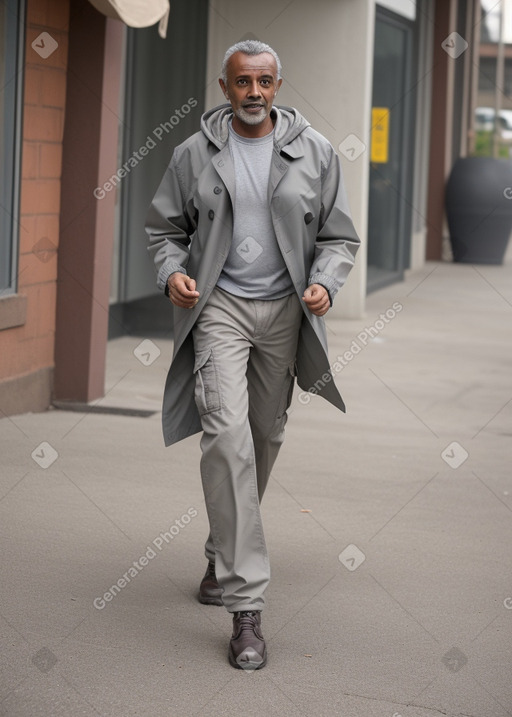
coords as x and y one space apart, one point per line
484 121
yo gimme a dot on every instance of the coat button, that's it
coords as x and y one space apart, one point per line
217 190
211 214
308 218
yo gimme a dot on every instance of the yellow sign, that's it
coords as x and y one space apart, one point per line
380 134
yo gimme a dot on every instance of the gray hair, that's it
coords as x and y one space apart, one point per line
249 47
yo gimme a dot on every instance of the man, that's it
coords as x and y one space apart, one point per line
251 236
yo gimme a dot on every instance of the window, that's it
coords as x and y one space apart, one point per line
11 24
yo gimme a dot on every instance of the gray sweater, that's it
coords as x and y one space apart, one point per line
254 268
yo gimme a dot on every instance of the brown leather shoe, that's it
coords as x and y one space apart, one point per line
210 592
247 650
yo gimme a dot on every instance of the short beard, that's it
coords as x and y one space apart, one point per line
248 118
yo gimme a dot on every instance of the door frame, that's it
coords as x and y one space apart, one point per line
405 189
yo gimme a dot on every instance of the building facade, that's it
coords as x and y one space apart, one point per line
92 109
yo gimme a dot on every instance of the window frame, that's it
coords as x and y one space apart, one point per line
13 51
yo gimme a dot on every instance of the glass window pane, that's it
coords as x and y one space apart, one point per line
10 84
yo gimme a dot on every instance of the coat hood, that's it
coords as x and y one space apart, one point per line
289 123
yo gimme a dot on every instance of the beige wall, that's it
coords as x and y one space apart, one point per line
326 49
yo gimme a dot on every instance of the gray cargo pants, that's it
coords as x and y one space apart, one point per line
244 364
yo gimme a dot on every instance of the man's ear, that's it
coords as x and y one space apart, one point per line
223 88
279 83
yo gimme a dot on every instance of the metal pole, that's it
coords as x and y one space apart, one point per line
474 18
500 85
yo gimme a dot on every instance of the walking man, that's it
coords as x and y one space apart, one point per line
252 238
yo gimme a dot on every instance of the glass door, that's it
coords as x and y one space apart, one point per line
389 221
163 101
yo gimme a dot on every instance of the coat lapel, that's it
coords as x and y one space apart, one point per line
278 169
224 167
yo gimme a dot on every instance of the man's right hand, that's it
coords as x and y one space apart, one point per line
182 290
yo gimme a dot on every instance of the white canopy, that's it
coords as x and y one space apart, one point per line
136 13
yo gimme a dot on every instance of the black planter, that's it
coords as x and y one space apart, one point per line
479 209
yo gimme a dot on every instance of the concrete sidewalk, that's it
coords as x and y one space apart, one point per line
389 532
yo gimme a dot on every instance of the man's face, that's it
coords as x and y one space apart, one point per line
251 86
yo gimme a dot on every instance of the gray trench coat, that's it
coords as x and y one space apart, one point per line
190 227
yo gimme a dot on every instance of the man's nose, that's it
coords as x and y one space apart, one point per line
254 89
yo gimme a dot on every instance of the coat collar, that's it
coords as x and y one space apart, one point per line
288 126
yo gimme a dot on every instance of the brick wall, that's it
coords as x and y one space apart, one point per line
27 351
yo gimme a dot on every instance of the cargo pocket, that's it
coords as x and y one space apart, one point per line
207 393
287 392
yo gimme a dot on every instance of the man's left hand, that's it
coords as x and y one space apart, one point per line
316 298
